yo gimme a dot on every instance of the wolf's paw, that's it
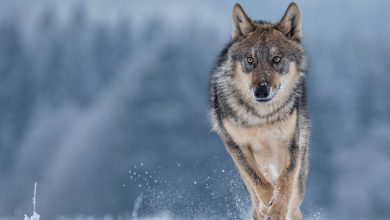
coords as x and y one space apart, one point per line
263 210
275 216
258 216
277 211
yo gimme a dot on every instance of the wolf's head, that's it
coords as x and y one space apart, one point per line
267 59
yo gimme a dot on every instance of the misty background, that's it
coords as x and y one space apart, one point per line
104 105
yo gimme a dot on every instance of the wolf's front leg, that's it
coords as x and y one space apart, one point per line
278 207
256 183
279 204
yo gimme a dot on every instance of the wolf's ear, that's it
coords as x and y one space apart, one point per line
242 24
290 24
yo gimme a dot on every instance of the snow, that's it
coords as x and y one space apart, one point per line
35 215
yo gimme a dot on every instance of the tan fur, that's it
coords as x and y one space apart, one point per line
266 142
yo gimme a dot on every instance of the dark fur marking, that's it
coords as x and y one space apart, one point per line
293 150
302 176
304 161
250 171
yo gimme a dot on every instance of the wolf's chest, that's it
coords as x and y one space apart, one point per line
266 144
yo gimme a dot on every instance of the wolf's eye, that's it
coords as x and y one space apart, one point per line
277 59
249 60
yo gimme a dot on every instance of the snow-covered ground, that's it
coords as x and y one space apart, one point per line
162 215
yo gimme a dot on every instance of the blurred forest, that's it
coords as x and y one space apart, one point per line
103 102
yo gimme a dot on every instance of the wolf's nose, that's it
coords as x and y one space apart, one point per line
261 92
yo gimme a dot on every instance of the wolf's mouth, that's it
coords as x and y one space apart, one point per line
263 99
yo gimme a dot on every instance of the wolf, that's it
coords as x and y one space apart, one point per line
258 106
